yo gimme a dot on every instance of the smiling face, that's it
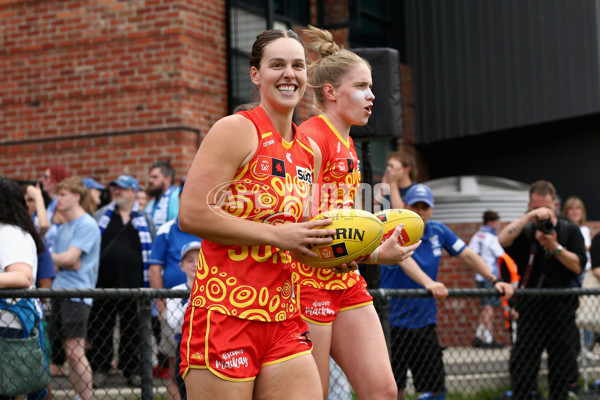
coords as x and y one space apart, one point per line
281 78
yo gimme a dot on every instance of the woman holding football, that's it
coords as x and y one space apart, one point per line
243 336
339 310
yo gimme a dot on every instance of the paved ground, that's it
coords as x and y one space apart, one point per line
468 370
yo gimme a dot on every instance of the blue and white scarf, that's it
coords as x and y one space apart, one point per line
161 208
139 223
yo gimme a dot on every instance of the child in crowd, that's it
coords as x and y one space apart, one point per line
175 311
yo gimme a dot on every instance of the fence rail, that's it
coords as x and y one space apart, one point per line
469 370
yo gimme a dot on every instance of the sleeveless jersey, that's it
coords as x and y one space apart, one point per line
338 181
254 282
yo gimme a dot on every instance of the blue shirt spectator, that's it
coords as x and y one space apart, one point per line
84 234
419 312
166 252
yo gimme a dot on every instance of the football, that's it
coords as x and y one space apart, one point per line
412 225
358 233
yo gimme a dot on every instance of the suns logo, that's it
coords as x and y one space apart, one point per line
304 175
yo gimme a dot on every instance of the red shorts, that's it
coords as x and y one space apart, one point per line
320 306
235 349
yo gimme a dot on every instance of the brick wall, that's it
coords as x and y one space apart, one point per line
108 87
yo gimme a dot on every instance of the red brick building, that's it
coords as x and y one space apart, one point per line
108 87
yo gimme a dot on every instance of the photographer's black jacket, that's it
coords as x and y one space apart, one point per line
547 271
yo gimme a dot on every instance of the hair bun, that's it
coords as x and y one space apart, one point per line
328 48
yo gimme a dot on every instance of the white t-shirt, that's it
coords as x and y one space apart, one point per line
485 243
16 246
176 310
587 238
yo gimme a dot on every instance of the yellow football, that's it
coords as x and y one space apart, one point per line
412 225
358 233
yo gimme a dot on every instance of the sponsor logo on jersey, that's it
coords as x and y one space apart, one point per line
344 165
232 359
268 143
304 174
301 337
270 166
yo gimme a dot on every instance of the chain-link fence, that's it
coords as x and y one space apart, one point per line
131 355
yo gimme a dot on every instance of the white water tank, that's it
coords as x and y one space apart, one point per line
466 198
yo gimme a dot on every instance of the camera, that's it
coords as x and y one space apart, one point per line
545 225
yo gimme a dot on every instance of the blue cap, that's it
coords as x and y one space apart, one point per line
126 182
195 245
417 193
90 183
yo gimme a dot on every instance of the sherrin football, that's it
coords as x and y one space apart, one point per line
358 233
412 225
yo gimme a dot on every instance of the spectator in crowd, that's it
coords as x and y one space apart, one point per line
127 234
52 176
45 269
19 241
550 253
95 192
400 173
175 311
76 253
485 244
595 256
574 209
20 245
142 198
36 207
166 273
415 343
164 204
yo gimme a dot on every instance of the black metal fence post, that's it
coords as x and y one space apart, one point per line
145 307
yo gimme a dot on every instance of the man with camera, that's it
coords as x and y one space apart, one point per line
549 253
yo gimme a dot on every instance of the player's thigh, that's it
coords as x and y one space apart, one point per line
358 346
201 384
320 335
294 379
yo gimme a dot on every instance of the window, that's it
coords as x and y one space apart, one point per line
247 19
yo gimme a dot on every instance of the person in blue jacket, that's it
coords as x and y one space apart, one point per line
413 321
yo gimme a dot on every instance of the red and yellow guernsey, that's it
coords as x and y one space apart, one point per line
254 282
338 182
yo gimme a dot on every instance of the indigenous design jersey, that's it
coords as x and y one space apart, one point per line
254 282
338 181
